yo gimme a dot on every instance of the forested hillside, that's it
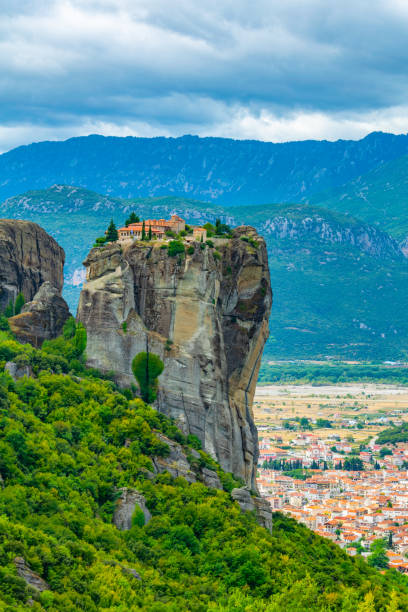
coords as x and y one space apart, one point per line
223 170
69 441
378 197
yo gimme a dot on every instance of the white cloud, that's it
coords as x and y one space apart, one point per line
268 69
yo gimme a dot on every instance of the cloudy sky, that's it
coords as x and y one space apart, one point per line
266 69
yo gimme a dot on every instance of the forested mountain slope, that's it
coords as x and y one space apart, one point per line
379 197
212 169
71 442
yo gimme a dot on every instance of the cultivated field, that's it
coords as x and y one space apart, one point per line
368 404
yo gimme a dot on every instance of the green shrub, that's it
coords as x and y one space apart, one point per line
4 324
191 250
124 327
217 255
138 518
210 243
175 247
69 328
100 241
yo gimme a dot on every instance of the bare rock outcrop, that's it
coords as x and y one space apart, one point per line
18 370
176 463
125 507
249 503
205 314
32 579
28 257
41 319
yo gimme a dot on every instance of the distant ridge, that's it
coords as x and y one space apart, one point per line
212 169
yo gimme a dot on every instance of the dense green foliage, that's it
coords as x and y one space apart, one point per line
331 373
146 368
378 557
68 443
176 247
393 435
377 197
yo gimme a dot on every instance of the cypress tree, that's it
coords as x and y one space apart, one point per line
143 231
146 368
150 232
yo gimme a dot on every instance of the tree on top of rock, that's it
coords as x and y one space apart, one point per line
112 232
132 218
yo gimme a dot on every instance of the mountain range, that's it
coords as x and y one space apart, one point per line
336 234
231 172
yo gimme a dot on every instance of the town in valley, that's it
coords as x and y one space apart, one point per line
322 461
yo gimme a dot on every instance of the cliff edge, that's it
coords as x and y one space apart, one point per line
205 313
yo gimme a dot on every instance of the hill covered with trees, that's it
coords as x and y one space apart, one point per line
70 442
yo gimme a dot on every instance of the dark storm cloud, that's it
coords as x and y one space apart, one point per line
234 67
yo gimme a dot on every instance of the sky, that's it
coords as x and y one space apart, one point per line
263 69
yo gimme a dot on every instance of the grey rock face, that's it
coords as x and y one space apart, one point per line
211 479
215 312
176 463
32 579
248 503
43 318
28 258
17 371
129 499
263 512
243 497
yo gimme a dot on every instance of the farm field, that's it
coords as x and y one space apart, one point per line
357 410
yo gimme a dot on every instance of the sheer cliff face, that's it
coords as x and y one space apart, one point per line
206 317
28 258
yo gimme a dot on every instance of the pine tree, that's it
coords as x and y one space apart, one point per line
133 218
112 232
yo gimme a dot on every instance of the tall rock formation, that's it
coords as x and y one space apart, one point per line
28 257
205 314
41 319
32 262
